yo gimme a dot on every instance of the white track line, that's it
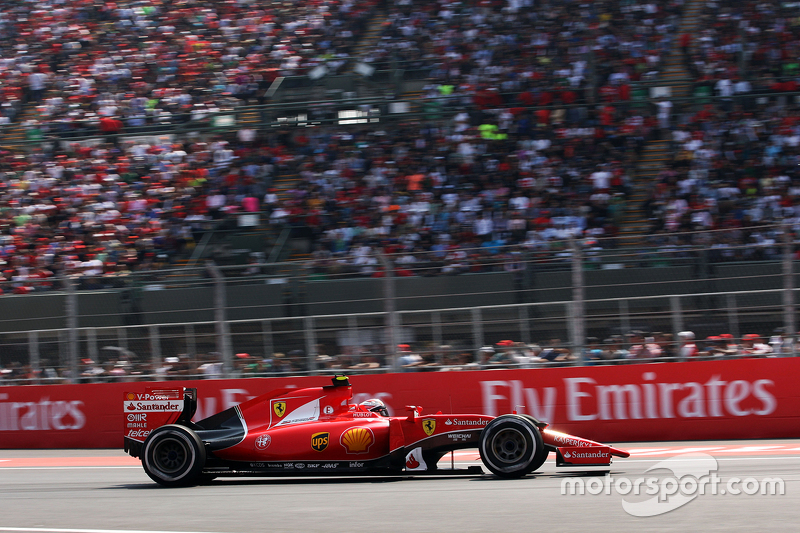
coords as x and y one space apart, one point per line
749 449
63 530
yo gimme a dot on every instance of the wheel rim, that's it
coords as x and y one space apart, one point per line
509 445
170 455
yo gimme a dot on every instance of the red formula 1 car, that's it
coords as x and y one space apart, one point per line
317 431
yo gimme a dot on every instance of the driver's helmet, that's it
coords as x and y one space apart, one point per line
374 405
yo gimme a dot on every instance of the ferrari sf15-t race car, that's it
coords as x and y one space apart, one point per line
317 431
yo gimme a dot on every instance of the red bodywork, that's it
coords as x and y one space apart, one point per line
318 430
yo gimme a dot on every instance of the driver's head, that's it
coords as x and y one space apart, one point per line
375 405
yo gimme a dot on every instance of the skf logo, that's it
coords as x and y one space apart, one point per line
263 442
279 408
319 441
357 440
429 426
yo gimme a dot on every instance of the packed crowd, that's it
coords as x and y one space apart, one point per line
457 199
519 45
97 213
158 61
745 40
733 167
734 157
635 347
501 182
102 211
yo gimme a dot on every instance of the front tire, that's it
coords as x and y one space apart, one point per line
173 456
541 455
511 446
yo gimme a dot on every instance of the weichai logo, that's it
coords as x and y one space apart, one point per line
319 441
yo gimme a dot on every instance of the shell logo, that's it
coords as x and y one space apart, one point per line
131 396
357 440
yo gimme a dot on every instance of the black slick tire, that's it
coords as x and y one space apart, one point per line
173 456
511 446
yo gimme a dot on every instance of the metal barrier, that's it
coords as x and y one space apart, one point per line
278 319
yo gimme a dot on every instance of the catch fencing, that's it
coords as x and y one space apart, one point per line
282 319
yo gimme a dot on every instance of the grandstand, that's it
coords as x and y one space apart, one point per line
454 137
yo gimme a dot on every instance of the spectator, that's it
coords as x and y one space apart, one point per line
688 348
752 346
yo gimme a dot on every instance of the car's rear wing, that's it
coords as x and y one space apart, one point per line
153 408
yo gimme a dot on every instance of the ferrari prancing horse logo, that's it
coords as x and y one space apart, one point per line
279 408
429 426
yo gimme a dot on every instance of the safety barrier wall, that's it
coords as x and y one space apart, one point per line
731 399
249 299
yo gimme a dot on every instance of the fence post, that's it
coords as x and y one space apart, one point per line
155 349
33 351
311 343
578 314
624 320
677 315
122 337
220 319
266 339
91 345
733 316
477 332
390 309
72 328
436 325
352 330
524 326
790 329
191 342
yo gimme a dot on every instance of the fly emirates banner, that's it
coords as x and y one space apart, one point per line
731 399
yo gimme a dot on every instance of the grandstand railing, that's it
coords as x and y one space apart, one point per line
305 111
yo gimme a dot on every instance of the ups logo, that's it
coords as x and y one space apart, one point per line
319 441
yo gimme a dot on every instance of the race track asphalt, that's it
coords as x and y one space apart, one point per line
76 491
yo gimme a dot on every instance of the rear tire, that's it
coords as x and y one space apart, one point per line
511 446
173 456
